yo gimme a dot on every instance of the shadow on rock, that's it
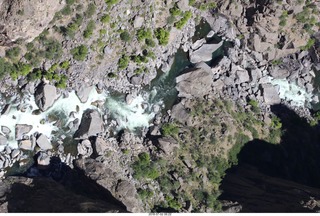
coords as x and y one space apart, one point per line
55 188
278 177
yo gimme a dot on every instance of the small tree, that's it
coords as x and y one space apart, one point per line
125 36
79 53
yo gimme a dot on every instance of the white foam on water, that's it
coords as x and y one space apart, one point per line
130 116
134 115
40 122
291 92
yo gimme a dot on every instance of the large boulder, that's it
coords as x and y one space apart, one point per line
5 130
279 73
100 146
85 148
25 19
270 94
26 145
195 83
22 129
45 96
204 53
91 125
83 93
167 145
43 142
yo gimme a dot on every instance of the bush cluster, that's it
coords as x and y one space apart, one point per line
79 53
186 16
162 35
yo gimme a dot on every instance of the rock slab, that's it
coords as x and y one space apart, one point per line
204 53
91 125
45 96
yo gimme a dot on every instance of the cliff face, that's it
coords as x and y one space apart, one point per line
25 19
280 177
257 192
55 188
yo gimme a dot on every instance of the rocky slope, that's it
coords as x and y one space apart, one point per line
177 162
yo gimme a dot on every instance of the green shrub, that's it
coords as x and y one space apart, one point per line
89 30
139 71
170 129
150 42
145 194
62 83
309 44
53 68
162 36
79 53
13 53
111 2
53 49
276 123
143 168
125 36
105 18
66 10
192 2
112 75
144 34
175 11
90 10
123 62
241 139
29 46
35 75
187 15
5 67
65 65
70 2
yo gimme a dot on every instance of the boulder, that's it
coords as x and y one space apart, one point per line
167 145
91 125
127 194
198 44
270 94
43 159
100 146
43 142
279 73
195 83
5 130
180 113
183 5
26 145
15 153
255 75
84 148
83 93
204 53
22 129
138 22
242 76
45 96
3 140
